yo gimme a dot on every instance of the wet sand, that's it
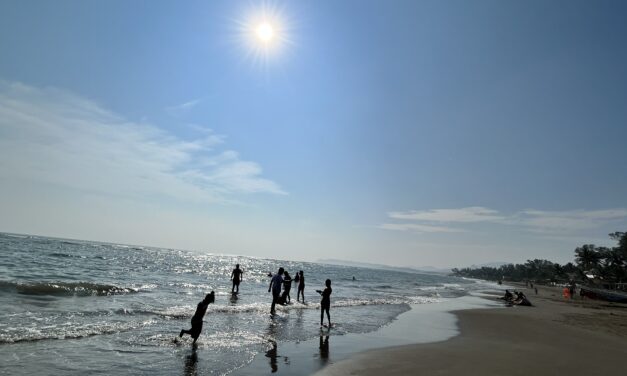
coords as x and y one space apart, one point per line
555 337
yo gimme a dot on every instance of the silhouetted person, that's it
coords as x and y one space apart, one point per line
287 286
508 296
536 289
198 315
275 286
301 285
236 276
325 303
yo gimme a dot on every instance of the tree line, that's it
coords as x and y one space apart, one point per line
608 264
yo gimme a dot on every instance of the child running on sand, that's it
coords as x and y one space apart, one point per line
197 318
325 303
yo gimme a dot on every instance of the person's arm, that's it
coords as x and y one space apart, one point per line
232 273
269 287
241 275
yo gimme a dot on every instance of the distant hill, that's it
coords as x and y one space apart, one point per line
494 264
422 269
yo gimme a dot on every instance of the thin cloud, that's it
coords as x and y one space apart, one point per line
413 227
183 108
53 136
467 215
567 221
537 221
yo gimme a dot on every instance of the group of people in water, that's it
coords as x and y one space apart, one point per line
280 286
519 299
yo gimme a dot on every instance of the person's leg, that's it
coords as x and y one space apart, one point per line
328 316
321 316
274 299
183 331
233 287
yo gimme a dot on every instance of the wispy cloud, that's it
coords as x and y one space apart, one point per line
538 221
470 214
183 108
414 227
566 221
53 136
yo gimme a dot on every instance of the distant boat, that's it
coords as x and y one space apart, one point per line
607 295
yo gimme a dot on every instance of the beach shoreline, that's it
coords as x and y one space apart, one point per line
554 337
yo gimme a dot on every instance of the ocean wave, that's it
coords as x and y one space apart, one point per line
68 331
69 288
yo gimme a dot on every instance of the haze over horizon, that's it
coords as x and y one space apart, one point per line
417 133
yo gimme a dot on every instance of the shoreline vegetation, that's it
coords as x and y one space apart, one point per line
602 267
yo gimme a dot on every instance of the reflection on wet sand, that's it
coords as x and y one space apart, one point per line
191 362
324 348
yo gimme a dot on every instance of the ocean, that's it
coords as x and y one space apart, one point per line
76 307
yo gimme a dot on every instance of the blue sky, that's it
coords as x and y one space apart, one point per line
415 133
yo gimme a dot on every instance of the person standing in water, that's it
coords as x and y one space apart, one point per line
197 318
325 303
236 276
287 286
275 286
301 285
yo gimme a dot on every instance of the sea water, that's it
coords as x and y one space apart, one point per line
76 307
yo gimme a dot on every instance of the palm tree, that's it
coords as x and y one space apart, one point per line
587 257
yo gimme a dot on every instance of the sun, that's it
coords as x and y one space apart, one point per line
265 32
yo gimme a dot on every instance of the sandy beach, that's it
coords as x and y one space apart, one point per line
555 337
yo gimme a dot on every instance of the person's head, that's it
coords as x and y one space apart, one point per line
285 273
327 283
301 272
281 270
210 298
236 266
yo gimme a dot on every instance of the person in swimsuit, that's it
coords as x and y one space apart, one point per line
287 286
325 303
275 286
301 285
197 318
236 276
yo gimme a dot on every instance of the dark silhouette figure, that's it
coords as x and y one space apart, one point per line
287 286
236 276
536 290
324 347
275 286
508 296
325 303
197 318
301 285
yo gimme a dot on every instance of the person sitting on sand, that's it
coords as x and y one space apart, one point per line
521 300
275 285
236 276
287 286
325 303
197 318
508 296
301 285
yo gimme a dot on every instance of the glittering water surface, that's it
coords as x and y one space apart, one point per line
77 306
